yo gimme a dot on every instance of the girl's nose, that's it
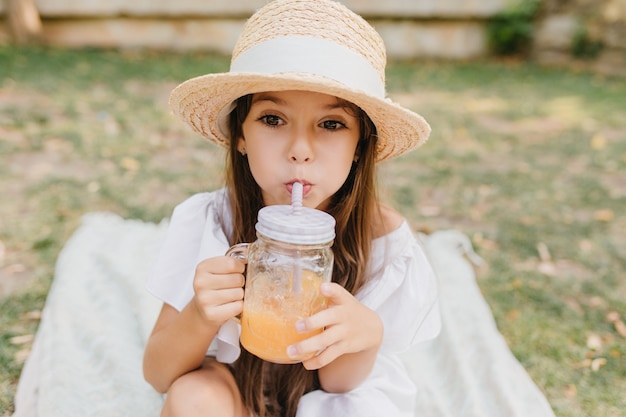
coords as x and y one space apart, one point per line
301 149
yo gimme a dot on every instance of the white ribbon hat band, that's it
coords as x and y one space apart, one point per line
313 56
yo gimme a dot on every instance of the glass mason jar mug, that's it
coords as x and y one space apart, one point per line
287 263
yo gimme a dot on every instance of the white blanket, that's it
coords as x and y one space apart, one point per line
86 360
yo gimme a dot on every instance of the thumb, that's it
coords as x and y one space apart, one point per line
334 292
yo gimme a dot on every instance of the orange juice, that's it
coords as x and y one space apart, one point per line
267 335
268 324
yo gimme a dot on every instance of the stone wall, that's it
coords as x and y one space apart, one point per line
584 32
452 29
447 29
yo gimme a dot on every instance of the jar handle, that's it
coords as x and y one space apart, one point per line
238 251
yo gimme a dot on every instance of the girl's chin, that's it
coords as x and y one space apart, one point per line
323 205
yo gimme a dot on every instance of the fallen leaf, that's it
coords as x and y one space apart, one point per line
620 328
484 243
574 305
22 355
596 302
20 340
513 314
604 215
93 187
32 315
594 342
544 253
570 391
615 318
14 269
598 142
597 363
547 268
130 164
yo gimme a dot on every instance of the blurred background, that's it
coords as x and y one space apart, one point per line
549 31
527 101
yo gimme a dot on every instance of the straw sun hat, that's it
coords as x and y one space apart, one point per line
312 45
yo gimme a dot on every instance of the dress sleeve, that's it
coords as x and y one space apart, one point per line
193 234
403 291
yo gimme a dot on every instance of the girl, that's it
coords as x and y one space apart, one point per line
304 101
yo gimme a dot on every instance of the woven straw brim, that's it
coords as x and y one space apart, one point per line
203 102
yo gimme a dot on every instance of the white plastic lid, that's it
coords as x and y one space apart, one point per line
306 227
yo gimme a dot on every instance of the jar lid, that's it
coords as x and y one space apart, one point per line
306 227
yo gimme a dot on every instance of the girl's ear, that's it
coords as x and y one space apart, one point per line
357 152
241 146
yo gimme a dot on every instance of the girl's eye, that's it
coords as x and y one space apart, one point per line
271 120
332 124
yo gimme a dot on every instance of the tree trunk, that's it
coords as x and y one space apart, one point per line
23 20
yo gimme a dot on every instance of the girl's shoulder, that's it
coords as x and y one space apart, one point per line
202 199
203 204
388 221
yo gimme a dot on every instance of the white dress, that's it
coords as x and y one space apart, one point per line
401 289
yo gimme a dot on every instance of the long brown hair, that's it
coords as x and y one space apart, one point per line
267 389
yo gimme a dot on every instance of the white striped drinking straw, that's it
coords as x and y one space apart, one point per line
296 208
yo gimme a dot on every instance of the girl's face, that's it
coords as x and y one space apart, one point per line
299 136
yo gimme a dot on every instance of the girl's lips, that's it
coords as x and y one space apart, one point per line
306 187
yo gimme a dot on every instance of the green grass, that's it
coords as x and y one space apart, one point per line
521 159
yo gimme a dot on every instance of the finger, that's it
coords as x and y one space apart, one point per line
314 343
218 281
319 320
326 348
218 314
219 297
322 359
222 265
228 281
335 293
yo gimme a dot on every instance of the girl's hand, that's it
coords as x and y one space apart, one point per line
349 327
218 287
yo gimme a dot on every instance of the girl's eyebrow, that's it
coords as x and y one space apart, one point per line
335 105
267 97
338 104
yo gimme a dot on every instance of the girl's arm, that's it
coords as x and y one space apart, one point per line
177 345
179 340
